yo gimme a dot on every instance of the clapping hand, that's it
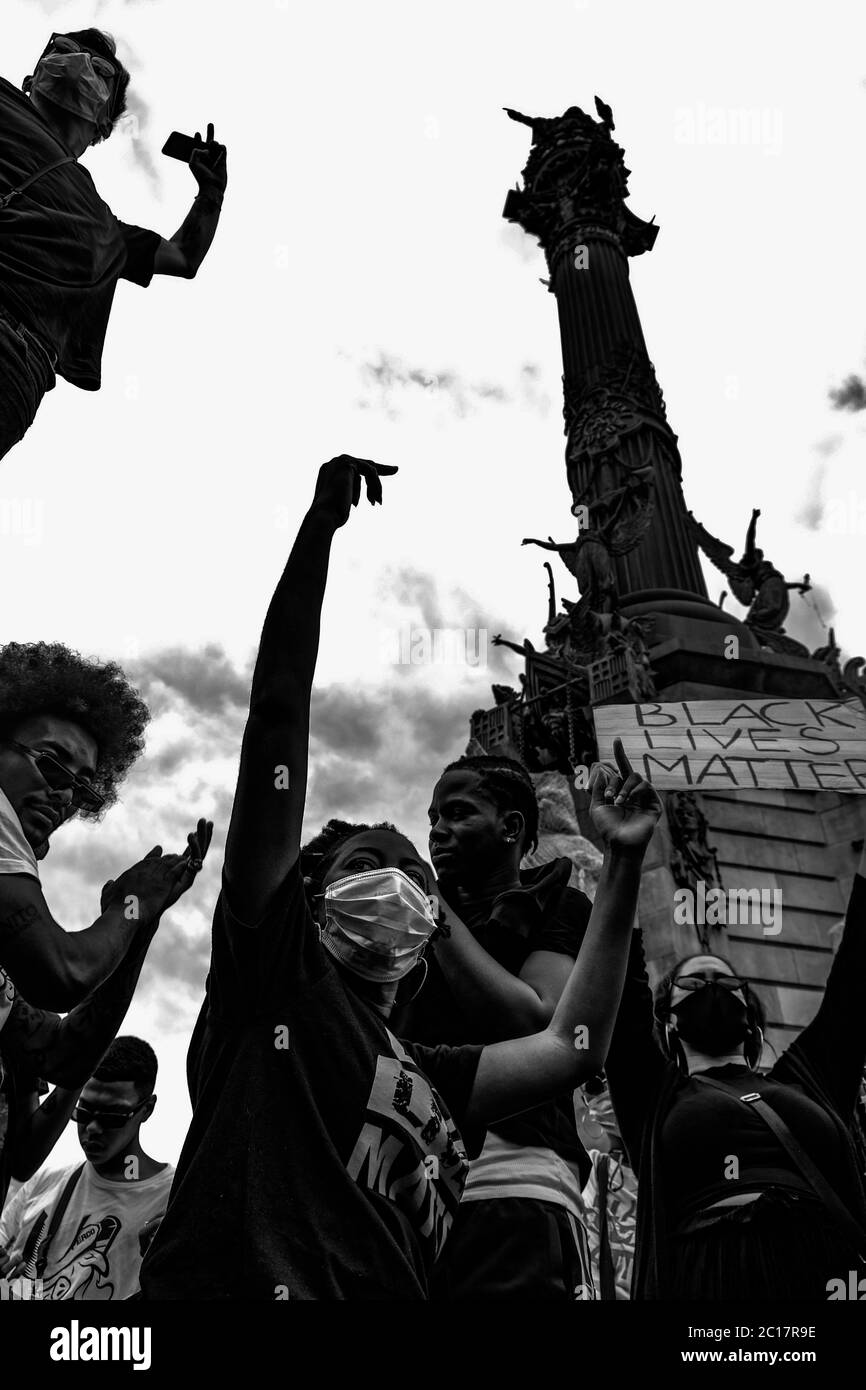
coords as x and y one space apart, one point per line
158 880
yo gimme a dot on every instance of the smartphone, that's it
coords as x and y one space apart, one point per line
181 147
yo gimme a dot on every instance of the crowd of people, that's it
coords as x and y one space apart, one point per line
411 1077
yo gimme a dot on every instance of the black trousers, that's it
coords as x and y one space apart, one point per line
513 1247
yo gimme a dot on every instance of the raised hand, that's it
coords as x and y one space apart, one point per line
158 880
624 808
208 165
338 486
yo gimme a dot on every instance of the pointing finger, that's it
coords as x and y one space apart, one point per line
622 761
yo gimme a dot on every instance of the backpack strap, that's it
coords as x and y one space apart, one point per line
6 199
57 1215
795 1151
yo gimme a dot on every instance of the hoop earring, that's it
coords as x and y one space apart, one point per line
753 1048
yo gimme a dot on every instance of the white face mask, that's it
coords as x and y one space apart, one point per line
70 81
377 923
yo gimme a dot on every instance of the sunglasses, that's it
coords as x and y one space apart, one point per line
60 43
693 982
59 778
106 1119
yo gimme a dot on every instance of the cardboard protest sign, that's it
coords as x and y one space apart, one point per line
731 745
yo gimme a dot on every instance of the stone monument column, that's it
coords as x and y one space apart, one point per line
622 460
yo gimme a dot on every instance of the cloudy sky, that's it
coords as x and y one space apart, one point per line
364 295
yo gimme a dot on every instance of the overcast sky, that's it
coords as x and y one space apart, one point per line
364 295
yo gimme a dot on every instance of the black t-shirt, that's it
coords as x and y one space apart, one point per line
544 914
62 250
706 1130
322 1161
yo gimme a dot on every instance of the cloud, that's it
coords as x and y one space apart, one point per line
826 448
205 680
390 382
454 614
810 614
811 513
134 124
512 236
851 395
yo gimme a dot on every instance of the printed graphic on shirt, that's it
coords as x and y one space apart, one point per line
84 1271
409 1149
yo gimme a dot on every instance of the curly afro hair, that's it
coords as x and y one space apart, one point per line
49 678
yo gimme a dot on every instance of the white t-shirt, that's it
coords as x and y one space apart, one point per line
95 1252
16 856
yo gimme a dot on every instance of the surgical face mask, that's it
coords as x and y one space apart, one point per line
377 923
712 1019
70 81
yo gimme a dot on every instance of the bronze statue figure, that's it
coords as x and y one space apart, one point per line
756 583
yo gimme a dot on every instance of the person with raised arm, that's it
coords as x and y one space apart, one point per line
62 250
325 1159
514 936
750 1185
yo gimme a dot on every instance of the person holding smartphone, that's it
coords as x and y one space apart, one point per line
62 250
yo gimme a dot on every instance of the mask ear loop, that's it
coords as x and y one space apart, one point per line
675 1049
414 995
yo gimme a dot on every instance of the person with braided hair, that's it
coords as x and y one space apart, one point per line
513 937
326 1156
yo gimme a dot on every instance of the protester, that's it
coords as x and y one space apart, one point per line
69 731
725 1207
65 1051
499 973
324 1158
91 1215
62 250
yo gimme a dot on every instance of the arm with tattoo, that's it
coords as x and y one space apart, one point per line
57 969
66 1050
